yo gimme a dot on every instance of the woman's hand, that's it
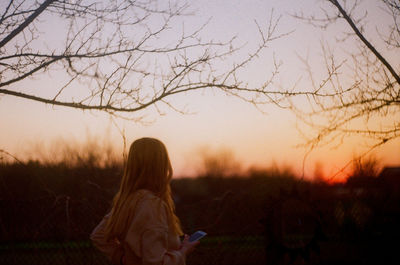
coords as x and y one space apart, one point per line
187 246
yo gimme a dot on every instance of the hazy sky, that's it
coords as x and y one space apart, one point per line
215 121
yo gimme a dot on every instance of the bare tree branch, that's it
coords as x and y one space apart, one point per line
363 101
126 56
364 40
23 25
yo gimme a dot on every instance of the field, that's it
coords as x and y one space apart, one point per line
48 212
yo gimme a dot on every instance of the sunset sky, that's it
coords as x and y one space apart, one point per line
214 120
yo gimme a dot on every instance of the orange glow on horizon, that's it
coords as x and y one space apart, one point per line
219 120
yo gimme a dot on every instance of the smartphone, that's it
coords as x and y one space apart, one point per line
197 236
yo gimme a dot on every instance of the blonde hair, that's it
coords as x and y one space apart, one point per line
147 168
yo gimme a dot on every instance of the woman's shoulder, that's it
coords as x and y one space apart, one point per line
150 207
146 198
146 194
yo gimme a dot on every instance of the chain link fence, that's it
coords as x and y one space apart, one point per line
60 234
259 220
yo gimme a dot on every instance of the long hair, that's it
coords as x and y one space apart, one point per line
147 167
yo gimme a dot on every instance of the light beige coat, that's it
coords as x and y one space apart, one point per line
148 239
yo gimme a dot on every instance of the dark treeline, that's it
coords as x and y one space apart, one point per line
62 203
58 202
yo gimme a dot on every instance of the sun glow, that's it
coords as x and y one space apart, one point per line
213 119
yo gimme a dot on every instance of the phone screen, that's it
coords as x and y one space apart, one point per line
197 235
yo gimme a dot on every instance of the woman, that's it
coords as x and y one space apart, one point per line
142 227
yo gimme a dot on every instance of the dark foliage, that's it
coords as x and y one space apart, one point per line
255 218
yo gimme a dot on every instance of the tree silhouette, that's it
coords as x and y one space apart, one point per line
360 93
115 56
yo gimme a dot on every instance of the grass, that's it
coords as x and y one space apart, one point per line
248 250
216 250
